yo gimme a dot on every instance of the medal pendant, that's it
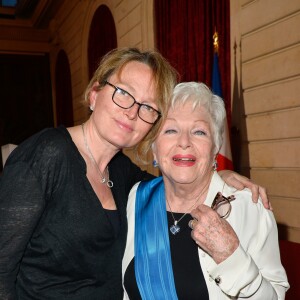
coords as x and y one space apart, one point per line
175 229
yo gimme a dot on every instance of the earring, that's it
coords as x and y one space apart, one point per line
91 108
155 163
215 165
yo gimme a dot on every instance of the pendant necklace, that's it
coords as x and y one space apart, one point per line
108 182
175 228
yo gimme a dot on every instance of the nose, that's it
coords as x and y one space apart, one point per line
132 112
184 141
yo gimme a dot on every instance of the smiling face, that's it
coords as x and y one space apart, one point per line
120 127
184 148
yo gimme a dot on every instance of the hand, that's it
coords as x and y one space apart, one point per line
212 233
240 182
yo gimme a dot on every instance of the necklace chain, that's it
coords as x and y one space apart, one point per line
175 228
108 182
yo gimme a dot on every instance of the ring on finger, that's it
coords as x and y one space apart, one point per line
192 223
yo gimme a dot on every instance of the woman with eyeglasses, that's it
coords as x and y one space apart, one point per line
63 192
191 236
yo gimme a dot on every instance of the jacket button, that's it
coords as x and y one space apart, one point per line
218 280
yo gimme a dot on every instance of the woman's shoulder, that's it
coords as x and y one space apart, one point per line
246 213
243 198
49 137
44 145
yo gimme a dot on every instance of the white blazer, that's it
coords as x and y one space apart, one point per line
254 270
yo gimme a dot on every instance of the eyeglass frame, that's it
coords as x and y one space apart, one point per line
219 198
134 102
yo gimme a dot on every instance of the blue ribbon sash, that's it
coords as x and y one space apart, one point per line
153 264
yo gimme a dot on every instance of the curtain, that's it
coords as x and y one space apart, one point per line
63 91
184 35
102 37
25 96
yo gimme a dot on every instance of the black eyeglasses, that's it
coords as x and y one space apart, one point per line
125 100
221 205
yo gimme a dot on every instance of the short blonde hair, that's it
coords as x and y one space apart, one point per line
164 75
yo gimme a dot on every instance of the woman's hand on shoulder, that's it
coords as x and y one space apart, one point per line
240 182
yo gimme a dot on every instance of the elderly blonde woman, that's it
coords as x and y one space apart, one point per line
191 236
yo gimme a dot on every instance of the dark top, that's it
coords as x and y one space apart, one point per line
56 240
189 281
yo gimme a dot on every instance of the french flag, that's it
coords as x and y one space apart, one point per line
224 158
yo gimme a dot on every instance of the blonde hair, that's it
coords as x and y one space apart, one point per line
165 79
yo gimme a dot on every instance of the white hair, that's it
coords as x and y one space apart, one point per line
200 95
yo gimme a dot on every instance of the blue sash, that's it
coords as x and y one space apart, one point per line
153 265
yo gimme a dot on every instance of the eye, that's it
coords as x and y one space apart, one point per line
199 132
170 131
122 92
146 107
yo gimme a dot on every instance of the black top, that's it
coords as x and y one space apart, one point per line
189 281
56 240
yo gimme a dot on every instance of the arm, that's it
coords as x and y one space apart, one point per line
250 268
241 277
240 182
20 209
254 269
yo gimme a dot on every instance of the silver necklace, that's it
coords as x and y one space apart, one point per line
108 182
175 228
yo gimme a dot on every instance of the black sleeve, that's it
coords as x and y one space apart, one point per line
29 178
21 205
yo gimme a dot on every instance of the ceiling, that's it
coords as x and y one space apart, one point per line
37 12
